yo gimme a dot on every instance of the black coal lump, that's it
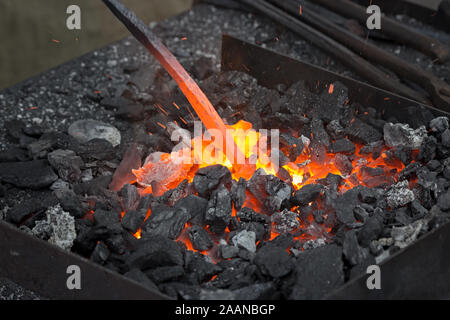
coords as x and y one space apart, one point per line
238 193
132 220
36 174
29 207
207 179
372 228
100 254
218 211
202 269
164 274
70 202
155 251
200 238
196 208
351 249
307 194
273 261
130 197
344 205
361 132
292 146
343 164
165 221
344 146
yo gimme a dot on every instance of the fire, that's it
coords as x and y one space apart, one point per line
164 174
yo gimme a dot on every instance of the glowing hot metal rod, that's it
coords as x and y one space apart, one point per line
198 100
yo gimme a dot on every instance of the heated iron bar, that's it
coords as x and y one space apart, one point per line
347 57
435 87
397 30
198 100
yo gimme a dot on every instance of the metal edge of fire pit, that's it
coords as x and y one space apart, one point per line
421 270
42 267
272 68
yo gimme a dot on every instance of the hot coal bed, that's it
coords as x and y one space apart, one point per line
353 187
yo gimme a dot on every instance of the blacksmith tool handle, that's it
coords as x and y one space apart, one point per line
395 29
436 88
347 57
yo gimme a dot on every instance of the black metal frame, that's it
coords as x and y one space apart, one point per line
420 271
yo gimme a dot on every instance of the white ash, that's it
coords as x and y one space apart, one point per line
383 256
58 228
439 124
285 221
245 240
313 244
385 242
306 141
404 236
86 130
60 185
401 135
399 195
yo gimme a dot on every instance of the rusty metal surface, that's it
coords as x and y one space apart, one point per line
271 68
39 266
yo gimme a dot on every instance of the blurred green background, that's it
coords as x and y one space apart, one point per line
34 36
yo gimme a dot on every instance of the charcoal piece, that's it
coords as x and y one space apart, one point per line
375 177
445 138
70 202
418 211
155 251
29 207
344 205
335 130
401 135
100 254
370 195
238 193
196 208
318 272
285 221
359 131
257 185
439 124
319 216
164 274
343 164
106 218
133 220
402 216
351 249
95 149
273 261
318 152
86 130
261 230
145 202
344 146
200 238
426 178
434 165
66 163
409 171
371 229
14 128
93 187
291 146
218 211
279 193
130 197
36 174
427 150
403 154
319 133
444 201
360 213
257 291
141 278
307 194
228 252
332 181
47 142
207 179
202 269
245 240
183 189
13 154
284 241
131 160
399 195
165 221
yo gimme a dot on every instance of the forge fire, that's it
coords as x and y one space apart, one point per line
234 172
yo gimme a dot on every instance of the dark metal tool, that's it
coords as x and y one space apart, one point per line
438 90
347 57
198 100
393 28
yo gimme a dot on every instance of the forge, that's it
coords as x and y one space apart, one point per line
118 175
